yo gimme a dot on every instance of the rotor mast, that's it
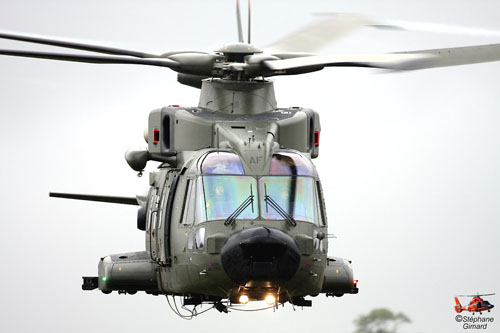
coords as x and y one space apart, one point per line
237 91
237 97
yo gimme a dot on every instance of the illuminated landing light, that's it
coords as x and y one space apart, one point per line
270 299
104 278
243 299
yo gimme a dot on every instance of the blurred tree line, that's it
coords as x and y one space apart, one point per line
380 320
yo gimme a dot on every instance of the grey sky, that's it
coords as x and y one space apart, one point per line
409 162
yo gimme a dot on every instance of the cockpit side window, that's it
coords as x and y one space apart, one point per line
221 163
186 203
189 204
290 164
321 203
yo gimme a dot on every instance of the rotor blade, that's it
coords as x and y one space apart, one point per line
76 45
185 62
455 56
99 198
436 28
322 31
238 19
412 60
94 59
388 61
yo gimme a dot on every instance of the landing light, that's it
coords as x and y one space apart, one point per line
243 299
270 299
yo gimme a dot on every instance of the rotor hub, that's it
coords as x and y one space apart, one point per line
238 48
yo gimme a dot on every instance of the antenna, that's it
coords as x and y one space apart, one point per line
238 19
249 21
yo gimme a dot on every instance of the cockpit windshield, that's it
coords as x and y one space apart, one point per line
223 191
219 196
295 195
221 163
290 164
222 195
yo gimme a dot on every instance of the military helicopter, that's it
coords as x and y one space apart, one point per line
476 304
235 212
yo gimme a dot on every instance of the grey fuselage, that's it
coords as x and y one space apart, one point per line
212 216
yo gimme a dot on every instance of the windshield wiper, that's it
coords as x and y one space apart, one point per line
270 201
247 202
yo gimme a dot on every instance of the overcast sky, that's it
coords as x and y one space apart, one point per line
409 162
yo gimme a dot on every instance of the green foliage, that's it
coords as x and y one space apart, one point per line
380 320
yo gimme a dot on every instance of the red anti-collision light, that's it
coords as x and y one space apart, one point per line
355 283
316 139
156 136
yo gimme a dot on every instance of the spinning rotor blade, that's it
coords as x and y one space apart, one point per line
329 27
387 61
184 62
456 56
76 46
93 59
436 28
411 60
476 295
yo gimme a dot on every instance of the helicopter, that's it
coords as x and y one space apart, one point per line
476 304
240 133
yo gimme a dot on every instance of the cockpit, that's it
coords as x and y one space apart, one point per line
222 191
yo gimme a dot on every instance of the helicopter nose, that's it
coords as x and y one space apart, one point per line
260 254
